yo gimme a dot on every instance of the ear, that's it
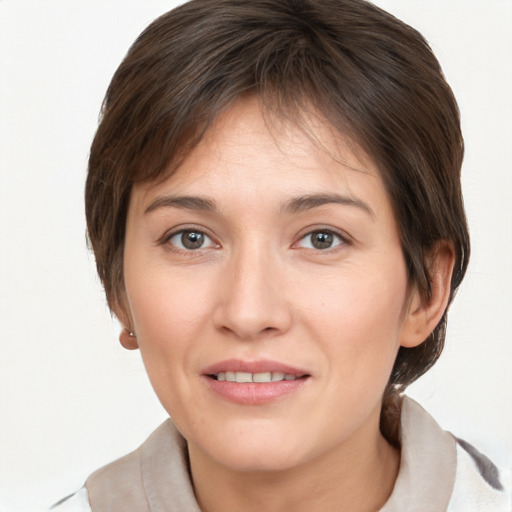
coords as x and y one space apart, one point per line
127 336
422 316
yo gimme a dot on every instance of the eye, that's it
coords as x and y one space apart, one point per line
190 240
320 240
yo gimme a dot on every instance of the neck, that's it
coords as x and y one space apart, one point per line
359 475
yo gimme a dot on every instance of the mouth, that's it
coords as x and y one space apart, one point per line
254 383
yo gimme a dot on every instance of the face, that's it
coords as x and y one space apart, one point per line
266 285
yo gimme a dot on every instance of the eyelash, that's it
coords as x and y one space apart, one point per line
167 240
343 240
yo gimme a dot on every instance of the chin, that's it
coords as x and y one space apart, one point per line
256 451
261 460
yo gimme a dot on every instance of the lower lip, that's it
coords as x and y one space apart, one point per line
254 394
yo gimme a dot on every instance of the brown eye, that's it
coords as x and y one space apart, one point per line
321 240
190 240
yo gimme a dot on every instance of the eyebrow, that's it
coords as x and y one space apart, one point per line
293 205
184 202
308 202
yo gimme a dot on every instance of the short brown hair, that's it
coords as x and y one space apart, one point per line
374 78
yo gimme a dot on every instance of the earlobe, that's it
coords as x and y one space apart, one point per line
128 339
423 315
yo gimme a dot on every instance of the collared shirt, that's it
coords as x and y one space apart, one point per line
438 473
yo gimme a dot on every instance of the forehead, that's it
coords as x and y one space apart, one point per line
245 150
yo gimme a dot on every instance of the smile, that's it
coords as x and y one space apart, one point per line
254 382
246 377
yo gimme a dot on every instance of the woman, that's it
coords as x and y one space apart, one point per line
274 203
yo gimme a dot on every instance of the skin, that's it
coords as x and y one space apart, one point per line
258 288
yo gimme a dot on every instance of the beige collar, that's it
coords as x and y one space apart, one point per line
428 464
155 477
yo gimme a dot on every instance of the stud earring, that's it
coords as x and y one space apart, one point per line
128 339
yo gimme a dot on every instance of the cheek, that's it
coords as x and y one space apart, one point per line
164 302
358 315
168 316
169 311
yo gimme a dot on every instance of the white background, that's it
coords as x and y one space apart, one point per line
70 398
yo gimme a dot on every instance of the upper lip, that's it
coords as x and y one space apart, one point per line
261 366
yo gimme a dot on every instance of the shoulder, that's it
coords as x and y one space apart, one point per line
153 477
470 480
480 484
123 484
78 502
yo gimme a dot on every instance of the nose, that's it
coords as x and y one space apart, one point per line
252 301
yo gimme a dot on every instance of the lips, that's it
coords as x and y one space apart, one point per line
253 383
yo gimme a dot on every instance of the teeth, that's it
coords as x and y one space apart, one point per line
244 377
262 377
